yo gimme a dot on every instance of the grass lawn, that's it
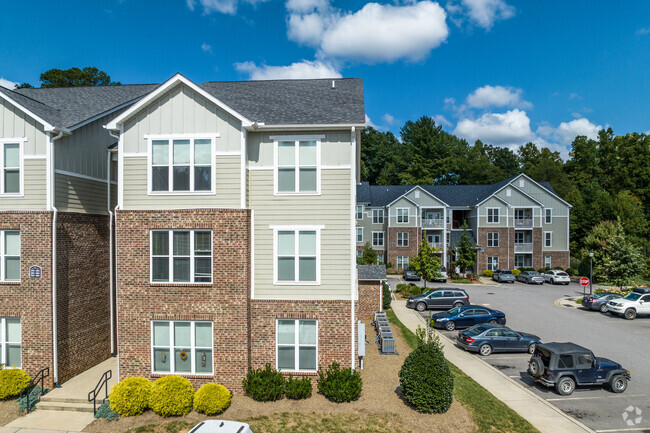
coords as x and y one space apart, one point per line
489 414
461 281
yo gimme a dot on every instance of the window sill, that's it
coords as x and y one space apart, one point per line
9 283
162 284
188 376
13 195
181 193
303 372
296 283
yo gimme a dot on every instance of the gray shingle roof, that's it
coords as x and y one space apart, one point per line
371 272
45 112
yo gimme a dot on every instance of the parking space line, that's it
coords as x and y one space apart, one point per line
640 429
596 398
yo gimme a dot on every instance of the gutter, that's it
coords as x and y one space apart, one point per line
55 212
110 248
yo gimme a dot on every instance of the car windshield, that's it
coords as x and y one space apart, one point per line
506 272
562 274
632 296
532 273
476 330
599 295
454 311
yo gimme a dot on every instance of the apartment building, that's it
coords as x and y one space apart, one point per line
515 223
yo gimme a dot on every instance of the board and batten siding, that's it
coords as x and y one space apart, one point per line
330 209
34 188
16 124
75 194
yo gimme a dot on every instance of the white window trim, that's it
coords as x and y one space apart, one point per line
378 211
359 212
360 229
171 281
549 261
21 166
403 258
4 343
495 239
171 138
296 344
491 262
397 215
494 220
405 239
380 259
546 217
171 347
548 245
276 229
383 239
2 257
296 139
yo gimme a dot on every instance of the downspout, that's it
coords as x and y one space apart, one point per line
55 212
353 268
110 248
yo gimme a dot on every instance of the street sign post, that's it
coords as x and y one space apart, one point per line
584 282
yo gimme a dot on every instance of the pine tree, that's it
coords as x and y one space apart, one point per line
369 255
465 251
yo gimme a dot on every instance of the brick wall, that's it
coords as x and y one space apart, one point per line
225 301
412 248
83 299
31 299
501 251
558 258
369 300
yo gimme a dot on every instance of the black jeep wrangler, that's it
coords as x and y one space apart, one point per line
565 365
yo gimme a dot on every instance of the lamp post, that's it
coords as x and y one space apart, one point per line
591 267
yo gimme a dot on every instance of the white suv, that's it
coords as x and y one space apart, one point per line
634 303
557 277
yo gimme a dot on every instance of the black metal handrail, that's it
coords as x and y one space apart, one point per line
103 383
27 391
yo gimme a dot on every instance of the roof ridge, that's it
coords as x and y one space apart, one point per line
283 79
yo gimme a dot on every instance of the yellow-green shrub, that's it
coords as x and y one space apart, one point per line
516 272
488 273
12 380
131 396
212 399
171 396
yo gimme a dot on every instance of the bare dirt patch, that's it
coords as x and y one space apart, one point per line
8 411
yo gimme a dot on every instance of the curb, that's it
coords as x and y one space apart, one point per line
567 302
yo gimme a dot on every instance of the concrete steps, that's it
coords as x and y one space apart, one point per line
65 406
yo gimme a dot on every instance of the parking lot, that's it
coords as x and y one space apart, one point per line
533 309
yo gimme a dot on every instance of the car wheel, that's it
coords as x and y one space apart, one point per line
458 304
603 308
421 306
552 281
532 347
450 326
565 386
535 367
630 314
485 350
618 383
493 322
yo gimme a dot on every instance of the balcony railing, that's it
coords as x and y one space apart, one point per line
433 223
523 223
435 245
524 247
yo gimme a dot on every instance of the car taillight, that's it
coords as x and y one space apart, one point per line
469 340
467 297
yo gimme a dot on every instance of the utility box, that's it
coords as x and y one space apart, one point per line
361 344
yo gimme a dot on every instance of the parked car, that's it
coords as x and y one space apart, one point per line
218 426
530 277
443 275
503 276
438 299
466 316
410 275
555 276
565 365
598 301
485 339
637 302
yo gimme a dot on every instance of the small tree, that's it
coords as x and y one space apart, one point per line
623 260
369 255
427 262
465 252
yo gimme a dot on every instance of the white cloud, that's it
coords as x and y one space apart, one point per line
497 96
303 6
7 84
566 132
369 122
643 31
442 120
307 29
206 47
509 128
389 119
222 6
483 13
574 96
298 70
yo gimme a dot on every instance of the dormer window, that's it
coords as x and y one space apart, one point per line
181 165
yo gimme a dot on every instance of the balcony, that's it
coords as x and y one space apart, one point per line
433 223
523 223
526 247
435 245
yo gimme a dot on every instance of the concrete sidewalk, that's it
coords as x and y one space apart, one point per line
540 413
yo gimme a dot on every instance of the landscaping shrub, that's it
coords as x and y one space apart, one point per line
400 287
559 268
105 411
488 273
426 381
516 272
130 397
12 380
264 384
171 396
414 289
541 270
212 399
571 272
34 397
339 386
385 296
298 389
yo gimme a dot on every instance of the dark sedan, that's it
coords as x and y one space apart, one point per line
530 277
598 301
485 339
466 316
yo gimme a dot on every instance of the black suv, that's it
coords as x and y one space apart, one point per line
565 365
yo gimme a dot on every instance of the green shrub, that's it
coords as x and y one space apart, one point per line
130 397
34 397
426 380
212 399
414 289
171 396
541 270
571 272
298 389
12 380
516 272
389 265
339 385
105 411
385 296
264 384
559 268
488 273
400 287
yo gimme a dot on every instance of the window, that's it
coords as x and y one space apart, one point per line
565 361
297 347
377 216
10 353
181 256
298 166
585 360
493 239
360 212
403 262
492 263
521 183
493 215
297 255
402 215
548 216
181 347
182 165
548 239
508 192
380 259
9 255
359 234
547 261
402 239
10 173
377 239
359 254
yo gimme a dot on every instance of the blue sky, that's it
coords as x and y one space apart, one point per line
503 71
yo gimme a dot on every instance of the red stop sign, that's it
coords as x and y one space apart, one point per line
584 281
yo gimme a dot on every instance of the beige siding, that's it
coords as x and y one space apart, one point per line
16 124
227 179
425 199
413 214
503 212
74 194
34 197
331 209
335 148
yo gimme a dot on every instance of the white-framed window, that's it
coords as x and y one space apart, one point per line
359 234
377 216
11 167
360 253
360 212
493 215
548 239
493 239
521 183
547 262
297 345
377 239
508 192
9 255
181 256
402 239
181 165
297 165
10 346
380 259
296 251
402 215
492 263
403 262
181 347
548 215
